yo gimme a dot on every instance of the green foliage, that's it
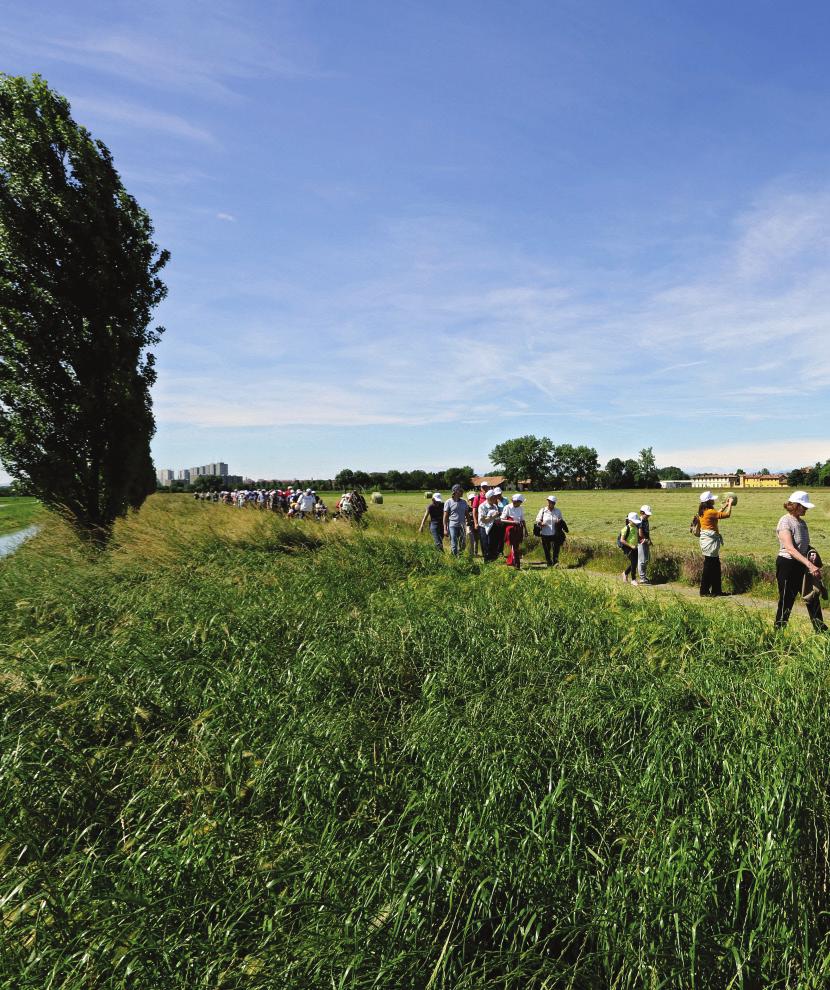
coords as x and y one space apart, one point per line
78 281
671 473
526 458
245 753
573 467
208 483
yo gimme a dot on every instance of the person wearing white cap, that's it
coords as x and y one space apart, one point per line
644 543
478 499
793 568
711 541
514 518
435 514
627 542
489 513
552 529
497 534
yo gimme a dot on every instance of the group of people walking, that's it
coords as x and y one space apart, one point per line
297 503
488 523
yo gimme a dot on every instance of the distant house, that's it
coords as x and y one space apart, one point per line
716 479
677 483
763 480
497 481
721 479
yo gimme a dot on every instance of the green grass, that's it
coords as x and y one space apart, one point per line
239 752
17 513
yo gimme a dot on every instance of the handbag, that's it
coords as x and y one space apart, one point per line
537 526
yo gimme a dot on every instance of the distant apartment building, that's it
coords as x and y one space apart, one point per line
218 469
183 474
164 476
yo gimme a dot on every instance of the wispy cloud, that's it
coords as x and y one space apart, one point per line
227 217
437 319
132 116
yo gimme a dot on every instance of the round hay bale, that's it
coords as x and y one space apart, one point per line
377 498
427 494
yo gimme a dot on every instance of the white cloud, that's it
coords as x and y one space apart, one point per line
228 217
132 116
436 321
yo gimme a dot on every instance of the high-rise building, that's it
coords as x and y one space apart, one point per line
183 474
164 476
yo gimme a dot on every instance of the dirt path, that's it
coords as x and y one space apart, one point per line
682 591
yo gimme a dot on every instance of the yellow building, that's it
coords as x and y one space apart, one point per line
763 480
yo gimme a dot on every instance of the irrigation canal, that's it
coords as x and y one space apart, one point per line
11 541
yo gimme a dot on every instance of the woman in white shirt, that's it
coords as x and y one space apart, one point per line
793 568
514 517
553 528
489 513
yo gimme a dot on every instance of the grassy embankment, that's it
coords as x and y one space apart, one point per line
245 753
595 518
17 513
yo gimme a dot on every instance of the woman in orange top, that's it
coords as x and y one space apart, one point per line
710 543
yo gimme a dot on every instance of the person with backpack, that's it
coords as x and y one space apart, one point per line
705 526
796 566
552 528
644 544
627 541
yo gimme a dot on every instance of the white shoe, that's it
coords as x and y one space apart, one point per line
633 581
625 578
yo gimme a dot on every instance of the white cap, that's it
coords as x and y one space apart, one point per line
801 498
551 498
490 493
437 497
483 484
707 496
517 498
497 490
633 517
646 509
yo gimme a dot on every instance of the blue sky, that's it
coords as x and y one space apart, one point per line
403 232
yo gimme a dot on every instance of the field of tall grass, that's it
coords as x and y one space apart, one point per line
242 752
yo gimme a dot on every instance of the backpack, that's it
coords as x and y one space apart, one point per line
622 541
694 526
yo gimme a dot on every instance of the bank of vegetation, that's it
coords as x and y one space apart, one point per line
238 752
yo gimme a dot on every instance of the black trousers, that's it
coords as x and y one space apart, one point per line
710 582
790 576
551 545
631 553
497 534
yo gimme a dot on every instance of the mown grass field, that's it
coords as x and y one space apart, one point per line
242 752
17 513
596 517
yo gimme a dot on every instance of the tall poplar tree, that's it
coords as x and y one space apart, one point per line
79 278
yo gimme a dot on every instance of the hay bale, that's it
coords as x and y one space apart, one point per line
427 494
377 498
